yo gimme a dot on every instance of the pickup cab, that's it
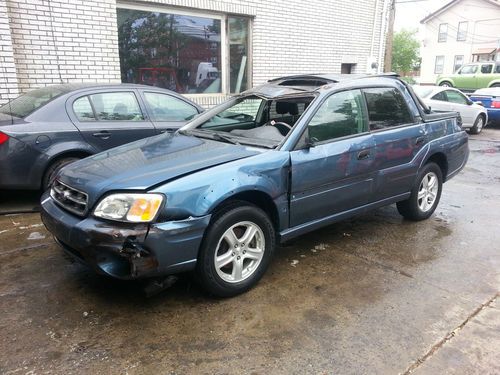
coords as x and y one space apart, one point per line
270 164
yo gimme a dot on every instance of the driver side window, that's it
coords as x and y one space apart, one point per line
341 115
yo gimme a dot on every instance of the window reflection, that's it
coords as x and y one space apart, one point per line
178 52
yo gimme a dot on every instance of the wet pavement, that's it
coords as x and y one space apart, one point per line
375 294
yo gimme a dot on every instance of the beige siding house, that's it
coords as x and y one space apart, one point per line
462 31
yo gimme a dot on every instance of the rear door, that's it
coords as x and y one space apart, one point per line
398 135
485 75
167 112
108 119
335 174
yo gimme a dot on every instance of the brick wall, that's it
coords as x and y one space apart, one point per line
57 41
8 77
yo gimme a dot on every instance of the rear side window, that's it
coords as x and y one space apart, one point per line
168 108
386 108
116 106
497 68
339 116
83 109
486 69
440 96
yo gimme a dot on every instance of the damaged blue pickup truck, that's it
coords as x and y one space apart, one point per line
277 161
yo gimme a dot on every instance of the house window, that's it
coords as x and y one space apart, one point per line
443 32
458 62
462 30
186 53
439 65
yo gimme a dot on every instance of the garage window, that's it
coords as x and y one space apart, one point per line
186 52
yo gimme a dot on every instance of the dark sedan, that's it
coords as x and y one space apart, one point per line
48 128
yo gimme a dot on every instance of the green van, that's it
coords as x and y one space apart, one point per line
473 76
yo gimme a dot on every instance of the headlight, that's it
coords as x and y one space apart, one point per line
135 208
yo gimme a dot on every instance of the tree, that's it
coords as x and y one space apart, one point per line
405 51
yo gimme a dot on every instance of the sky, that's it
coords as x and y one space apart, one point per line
410 12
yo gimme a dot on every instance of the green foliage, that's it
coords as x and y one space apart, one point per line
405 51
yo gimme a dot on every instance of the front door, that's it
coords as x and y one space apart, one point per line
110 119
459 103
335 173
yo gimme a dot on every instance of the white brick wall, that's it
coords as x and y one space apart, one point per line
8 77
76 40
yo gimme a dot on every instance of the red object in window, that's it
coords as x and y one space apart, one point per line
3 138
495 104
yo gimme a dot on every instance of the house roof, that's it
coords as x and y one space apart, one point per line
449 5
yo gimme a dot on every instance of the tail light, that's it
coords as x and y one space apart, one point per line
3 138
494 104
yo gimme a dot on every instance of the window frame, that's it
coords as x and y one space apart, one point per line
436 65
364 109
455 69
412 116
461 34
224 32
442 35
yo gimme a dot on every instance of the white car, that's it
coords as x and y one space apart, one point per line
440 98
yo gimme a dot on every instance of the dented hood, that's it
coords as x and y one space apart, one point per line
147 163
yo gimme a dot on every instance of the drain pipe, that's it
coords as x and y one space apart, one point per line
383 30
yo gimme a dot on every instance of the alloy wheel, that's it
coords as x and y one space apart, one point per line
427 192
239 251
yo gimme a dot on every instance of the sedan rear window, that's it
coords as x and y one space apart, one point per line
31 101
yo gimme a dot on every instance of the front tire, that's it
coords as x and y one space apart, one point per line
425 194
236 250
53 169
478 125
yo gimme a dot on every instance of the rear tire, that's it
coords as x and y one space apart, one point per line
446 84
478 125
425 194
53 169
236 250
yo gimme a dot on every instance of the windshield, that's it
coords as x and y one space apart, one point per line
27 103
254 120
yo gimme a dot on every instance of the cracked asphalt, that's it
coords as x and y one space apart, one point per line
371 295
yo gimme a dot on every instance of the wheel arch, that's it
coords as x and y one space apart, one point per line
445 79
441 160
256 197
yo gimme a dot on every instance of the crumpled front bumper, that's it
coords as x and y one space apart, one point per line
126 250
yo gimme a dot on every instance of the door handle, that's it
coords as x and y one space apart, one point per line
419 141
365 154
168 130
102 134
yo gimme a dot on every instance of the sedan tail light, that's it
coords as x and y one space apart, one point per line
3 138
494 104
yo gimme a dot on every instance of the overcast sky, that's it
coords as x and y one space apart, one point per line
410 12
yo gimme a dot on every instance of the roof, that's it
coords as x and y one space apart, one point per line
306 83
449 5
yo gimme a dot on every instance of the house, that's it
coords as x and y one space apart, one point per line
461 31
205 49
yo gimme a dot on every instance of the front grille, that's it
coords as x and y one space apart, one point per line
69 198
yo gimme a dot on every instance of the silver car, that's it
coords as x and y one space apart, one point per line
440 98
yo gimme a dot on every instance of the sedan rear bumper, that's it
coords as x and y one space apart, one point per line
126 251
